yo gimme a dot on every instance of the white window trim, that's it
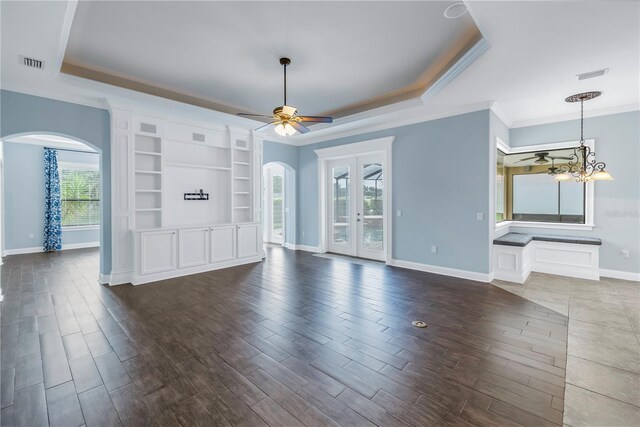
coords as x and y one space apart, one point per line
79 166
372 146
589 193
80 227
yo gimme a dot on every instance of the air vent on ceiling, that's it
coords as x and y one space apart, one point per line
32 62
592 74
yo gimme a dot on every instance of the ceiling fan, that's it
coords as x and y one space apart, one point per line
543 158
286 118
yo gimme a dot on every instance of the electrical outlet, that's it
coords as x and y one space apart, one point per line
479 216
434 249
302 233
624 253
31 235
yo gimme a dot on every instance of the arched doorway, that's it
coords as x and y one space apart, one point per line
279 219
82 193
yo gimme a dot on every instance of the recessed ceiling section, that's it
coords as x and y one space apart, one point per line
347 57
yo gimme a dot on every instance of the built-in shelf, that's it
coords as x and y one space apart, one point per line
149 172
241 177
149 210
148 191
148 153
241 163
242 207
241 192
191 165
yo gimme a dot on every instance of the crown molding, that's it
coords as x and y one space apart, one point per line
57 96
398 119
456 69
573 116
500 113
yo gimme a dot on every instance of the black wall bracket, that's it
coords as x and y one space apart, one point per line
196 196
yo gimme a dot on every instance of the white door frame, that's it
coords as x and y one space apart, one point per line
373 146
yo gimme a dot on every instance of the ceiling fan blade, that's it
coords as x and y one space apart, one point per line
316 119
265 126
528 158
297 126
254 115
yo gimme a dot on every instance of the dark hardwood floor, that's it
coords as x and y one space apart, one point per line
295 340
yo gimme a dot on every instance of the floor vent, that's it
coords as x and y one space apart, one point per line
32 62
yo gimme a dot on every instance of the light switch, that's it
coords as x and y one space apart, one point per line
398 213
434 249
479 216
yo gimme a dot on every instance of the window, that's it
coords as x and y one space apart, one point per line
527 191
79 194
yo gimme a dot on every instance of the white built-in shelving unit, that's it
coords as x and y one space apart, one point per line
157 233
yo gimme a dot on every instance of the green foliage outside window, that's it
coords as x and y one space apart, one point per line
80 196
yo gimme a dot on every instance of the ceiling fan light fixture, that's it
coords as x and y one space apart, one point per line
279 129
288 129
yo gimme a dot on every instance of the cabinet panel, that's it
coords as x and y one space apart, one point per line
193 247
223 245
247 240
157 251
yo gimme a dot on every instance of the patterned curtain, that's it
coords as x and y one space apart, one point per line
52 204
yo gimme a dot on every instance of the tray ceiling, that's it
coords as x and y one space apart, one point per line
346 56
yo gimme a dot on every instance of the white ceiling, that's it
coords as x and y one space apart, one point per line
537 48
343 53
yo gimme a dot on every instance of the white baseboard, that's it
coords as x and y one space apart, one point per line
314 249
180 272
445 271
36 249
291 246
618 274
120 278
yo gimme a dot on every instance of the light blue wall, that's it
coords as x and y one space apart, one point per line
440 181
617 203
24 196
24 114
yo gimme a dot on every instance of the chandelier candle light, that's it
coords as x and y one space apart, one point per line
583 167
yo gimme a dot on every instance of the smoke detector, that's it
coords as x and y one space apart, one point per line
32 62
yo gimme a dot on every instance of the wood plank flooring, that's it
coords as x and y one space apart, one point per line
294 340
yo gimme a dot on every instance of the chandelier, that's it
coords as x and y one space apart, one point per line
583 167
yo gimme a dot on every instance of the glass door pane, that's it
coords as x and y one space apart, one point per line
372 207
341 221
277 208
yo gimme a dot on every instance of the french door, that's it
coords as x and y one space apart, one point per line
356 206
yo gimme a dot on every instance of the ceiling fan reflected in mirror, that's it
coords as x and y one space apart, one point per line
286 119
543 158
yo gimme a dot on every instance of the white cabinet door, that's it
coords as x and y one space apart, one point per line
193 247
157 251
247 240
223 243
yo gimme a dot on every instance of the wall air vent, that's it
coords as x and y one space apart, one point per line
592 74
32 62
